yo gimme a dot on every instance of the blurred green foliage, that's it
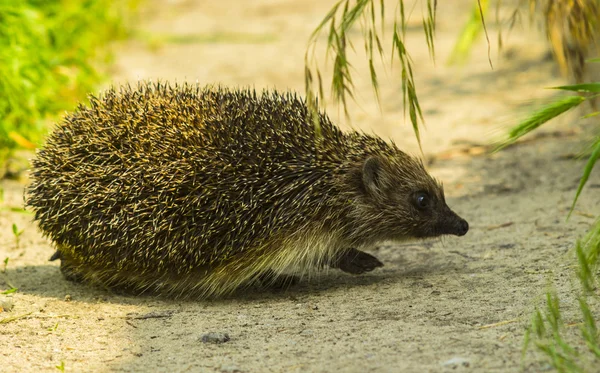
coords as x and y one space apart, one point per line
469 34
51 54
586 91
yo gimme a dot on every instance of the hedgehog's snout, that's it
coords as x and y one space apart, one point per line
462 227
454 224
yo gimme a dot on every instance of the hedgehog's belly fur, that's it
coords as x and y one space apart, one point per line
297 254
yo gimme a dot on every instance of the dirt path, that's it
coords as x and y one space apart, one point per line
435 304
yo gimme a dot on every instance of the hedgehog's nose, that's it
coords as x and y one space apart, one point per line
462 227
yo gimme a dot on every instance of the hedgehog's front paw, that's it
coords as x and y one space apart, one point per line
356 262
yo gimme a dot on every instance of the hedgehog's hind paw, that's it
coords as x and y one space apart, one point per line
68 269
69 273
356 262
68 265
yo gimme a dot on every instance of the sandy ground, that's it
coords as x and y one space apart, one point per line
435 304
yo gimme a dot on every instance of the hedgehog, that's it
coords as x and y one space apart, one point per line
196 191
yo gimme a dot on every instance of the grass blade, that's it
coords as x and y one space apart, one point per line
374 81
591 246
540 117
586 173
327 18
9 291
589 329
583 87
584 272
429 27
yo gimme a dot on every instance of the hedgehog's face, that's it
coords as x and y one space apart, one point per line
403 200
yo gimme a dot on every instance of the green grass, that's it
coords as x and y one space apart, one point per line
548 330
586 91
51 56
9 291
549 333
17 234
61 367
344 17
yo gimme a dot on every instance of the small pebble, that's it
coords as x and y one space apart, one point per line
456 362
216 338
230 369
6 305
307 332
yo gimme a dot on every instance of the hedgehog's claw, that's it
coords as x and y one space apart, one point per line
356 262
55 256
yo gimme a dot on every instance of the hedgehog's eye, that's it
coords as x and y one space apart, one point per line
422 200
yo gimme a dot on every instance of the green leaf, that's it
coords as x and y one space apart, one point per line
61 367
583 87
586 173
9 291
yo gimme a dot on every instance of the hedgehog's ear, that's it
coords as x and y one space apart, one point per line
372 173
